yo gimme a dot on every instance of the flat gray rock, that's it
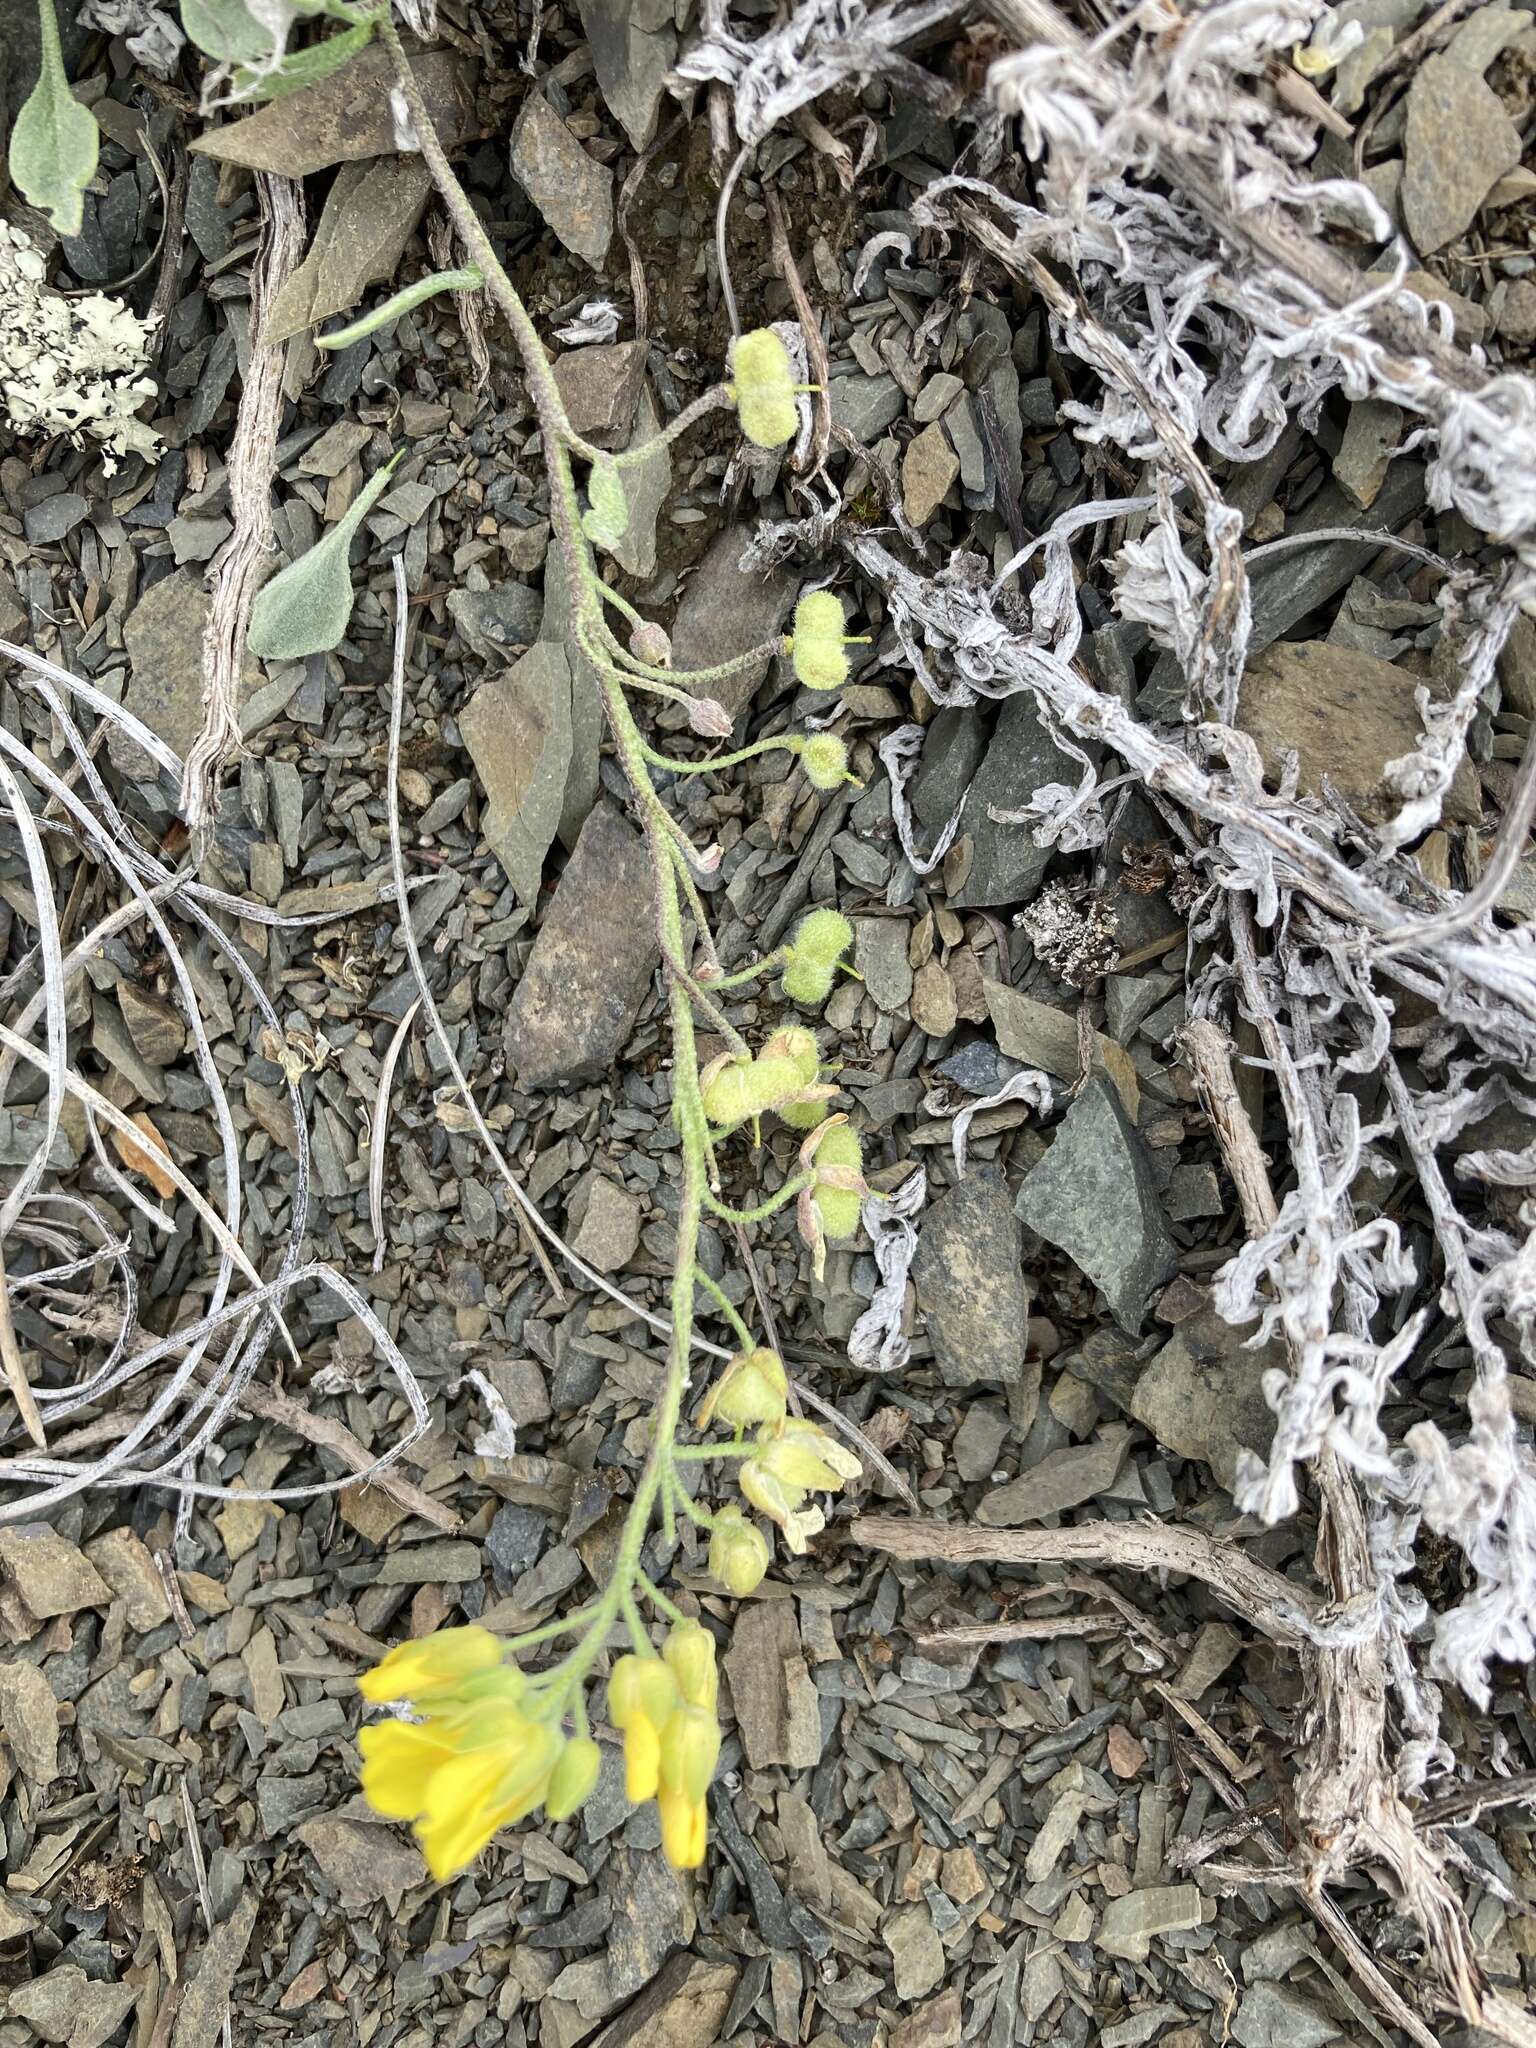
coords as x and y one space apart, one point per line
1006 865
1202 1395
1064 1479
1347 714
1457 144
164 638
600 387
866 406
592 962
517 727
498 621
634 46
1093 1195
1275 2016
571 189
969 1274
726 610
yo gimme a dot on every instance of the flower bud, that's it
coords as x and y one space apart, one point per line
825 761
574 1776
752 1389
763 386
690 1745
640 1689
738 1552
652 644
689 1653
431 1666
708 717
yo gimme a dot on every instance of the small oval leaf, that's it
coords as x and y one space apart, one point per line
55 141
306 608
469 279
228 32
301 68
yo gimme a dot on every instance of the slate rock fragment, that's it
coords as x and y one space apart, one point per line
592 962
725 611
1347 714
969 1274
1007 867
572 190
1457 144
1094 1196
517 727
1202 1395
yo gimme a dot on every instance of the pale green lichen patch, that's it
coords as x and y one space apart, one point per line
70 366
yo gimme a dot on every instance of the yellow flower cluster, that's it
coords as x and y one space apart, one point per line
665 1708
480 1757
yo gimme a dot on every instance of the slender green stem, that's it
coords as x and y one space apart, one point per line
706 1454
789 743
741 975
569 1625
654 1594
771 1207
727 1308
700 1517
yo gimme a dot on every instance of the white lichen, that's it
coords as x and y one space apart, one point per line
70 366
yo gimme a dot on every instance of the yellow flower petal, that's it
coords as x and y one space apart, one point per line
398 1759
690 1747
431 1664
684 1829
462 1812
642 1760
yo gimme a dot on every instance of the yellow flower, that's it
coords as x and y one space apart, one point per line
782 1504
753 1388
431 1666
398 1759
799 1459
487 1788
684 1829
738 1552
689 1653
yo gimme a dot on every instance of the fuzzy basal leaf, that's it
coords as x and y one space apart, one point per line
55 140
306 607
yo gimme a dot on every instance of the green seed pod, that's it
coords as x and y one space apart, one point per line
816 647
738 1552
838 1207
764 388
808 982
823 935
797 1044
825 761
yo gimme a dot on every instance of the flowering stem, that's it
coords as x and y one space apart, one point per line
726 1307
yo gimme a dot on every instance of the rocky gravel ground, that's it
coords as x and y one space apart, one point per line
952 1798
